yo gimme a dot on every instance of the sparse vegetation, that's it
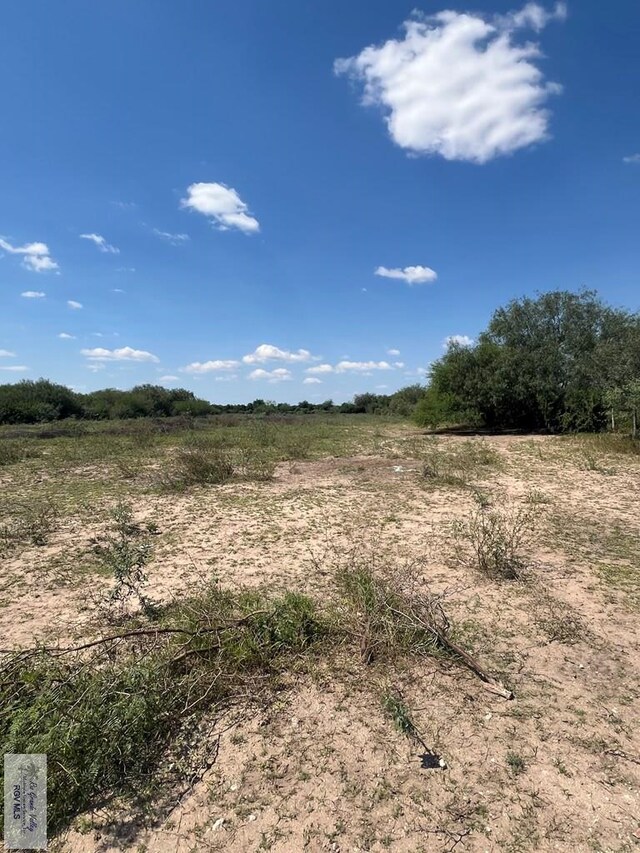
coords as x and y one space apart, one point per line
292 670
494 542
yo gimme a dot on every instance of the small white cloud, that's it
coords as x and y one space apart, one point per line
15 368
459 85
65 336
169 378
393 352
101 243
118 290
95 366
381 387
73 304
632 158
5 353
459 340
223 205
311 380
230 378
210 366
412 275
174 239
35 256
267 352
121 354
320 368
33 294
280 374
361 366
398 364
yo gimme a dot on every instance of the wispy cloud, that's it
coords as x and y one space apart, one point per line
121 354
460 85
222 205
66 337
280 374
412 275
169 378
361 366
15 368
393 352
174 239
210 366
73 304
33 294
101 243
5 353
632 158
268 352
35 256
457 340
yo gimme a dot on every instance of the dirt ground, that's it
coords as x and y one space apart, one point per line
322 768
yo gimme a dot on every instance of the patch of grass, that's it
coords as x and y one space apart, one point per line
516 763
13 451
395 707
30 523
457 464
493 542
198 465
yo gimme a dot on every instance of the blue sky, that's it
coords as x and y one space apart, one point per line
216 185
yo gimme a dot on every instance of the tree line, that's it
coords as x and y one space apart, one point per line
40 401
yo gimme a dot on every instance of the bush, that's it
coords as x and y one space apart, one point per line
495 542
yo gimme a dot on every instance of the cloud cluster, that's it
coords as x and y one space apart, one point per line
121 354
35 256
268 352
280 374
412 275
223 205
101 243
459 85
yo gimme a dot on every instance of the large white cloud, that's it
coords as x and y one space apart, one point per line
35 256
99 241
121 354
280 374
210 366
223 205
412 275
459 85
268 352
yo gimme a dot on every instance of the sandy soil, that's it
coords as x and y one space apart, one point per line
558 768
